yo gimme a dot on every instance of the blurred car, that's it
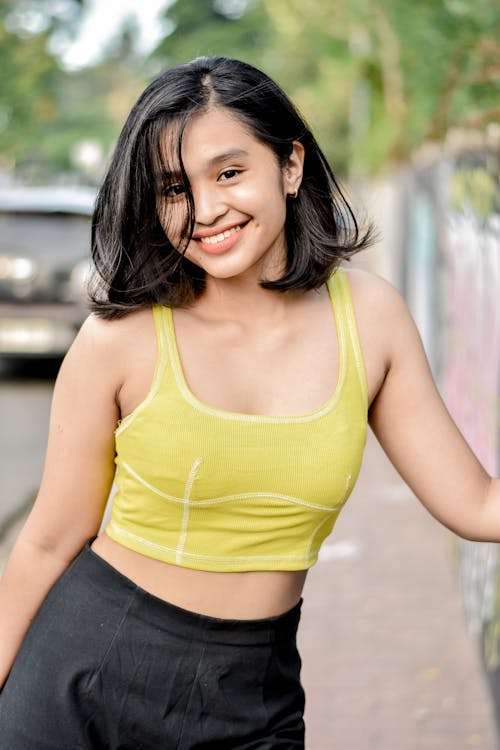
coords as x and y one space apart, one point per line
44 261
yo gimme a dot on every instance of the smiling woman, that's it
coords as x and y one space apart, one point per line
158 193
225 381
240 193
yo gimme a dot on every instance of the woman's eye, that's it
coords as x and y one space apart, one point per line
228 174
172 191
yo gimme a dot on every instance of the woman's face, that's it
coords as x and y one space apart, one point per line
239 193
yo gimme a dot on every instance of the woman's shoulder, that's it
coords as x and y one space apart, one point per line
385 326
106 332
374 298
364 282
111 345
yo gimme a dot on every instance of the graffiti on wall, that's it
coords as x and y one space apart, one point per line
471 375
453 288
472 368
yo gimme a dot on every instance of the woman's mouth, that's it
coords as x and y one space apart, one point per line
220 242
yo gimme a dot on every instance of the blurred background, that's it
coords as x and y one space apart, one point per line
404 98
377 79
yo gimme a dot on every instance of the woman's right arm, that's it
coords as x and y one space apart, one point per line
78 474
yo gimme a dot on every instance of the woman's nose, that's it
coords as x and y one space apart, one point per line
208 204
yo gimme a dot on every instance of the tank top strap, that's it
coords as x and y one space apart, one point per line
165 336
346 321
162 322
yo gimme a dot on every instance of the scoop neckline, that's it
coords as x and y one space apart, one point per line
200 405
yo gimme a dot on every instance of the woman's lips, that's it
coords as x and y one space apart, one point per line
221 242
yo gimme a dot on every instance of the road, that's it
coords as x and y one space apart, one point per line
24 413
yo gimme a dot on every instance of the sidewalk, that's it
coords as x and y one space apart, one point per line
388 663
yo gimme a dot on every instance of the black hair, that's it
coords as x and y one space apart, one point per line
134 262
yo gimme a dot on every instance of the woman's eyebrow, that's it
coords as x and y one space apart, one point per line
235 153
164 176
167 177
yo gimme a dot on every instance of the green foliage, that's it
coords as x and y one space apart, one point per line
476 188
446 55
386 75
203 27
28 86
45 111
375 78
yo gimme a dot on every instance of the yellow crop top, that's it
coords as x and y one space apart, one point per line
215 490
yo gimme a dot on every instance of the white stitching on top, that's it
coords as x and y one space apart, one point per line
185 515
228 498
219 559
354 336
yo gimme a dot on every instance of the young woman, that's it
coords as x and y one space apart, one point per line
227 373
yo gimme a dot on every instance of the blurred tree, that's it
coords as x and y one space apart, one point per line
375 78
379 77
446 65
93 102
46 112
30 76
233 28
313 60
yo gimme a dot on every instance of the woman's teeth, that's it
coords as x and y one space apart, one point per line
219 237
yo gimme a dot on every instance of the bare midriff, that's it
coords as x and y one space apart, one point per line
246 596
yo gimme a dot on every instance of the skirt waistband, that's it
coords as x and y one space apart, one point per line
167 616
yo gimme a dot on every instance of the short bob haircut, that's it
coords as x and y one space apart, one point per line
135 264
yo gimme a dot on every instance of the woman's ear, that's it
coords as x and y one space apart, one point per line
293 169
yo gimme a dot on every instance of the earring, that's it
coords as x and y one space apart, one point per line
294 194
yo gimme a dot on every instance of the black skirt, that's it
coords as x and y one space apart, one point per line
106 665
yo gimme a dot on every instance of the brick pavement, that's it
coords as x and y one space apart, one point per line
387 660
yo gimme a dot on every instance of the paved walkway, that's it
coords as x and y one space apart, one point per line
388 663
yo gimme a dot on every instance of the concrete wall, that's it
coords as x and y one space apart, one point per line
441 247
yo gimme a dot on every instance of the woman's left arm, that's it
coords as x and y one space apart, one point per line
419 436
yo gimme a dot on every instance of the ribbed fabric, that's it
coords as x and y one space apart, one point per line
209 489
